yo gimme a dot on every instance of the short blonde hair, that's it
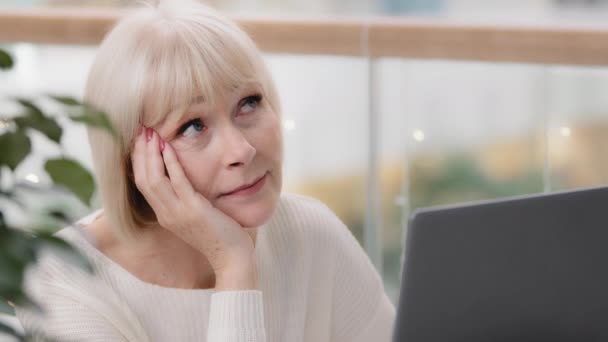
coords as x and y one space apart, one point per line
155 60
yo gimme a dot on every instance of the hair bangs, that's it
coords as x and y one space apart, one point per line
193 64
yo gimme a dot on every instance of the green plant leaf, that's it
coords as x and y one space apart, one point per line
70 174
5 308
17 247
6 61
15 146
95 118
59 216
46 126
34 118
31 107
11 279
17 250
66 100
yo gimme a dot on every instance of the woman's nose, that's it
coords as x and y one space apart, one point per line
237 149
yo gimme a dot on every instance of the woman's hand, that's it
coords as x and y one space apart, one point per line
189 215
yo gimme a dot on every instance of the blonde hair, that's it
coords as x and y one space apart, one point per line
155 60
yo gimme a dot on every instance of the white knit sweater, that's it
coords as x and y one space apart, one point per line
316 284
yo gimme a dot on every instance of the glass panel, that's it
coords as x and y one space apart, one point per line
325 108
475 131
454 132
388 95
577 127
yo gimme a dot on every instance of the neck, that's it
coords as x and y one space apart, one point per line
156 256
167 260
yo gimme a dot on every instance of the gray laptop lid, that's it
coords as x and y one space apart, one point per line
526 269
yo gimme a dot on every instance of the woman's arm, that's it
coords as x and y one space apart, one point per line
236 312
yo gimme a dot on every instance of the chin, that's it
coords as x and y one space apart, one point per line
254 211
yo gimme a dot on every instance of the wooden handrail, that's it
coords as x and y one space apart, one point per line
386 37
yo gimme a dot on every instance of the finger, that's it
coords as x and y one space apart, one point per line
155 168
139 164
179 181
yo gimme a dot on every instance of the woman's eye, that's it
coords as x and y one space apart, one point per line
191 128
250 103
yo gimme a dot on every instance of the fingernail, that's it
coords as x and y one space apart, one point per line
149 133
162 145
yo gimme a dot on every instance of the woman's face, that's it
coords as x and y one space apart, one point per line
230 146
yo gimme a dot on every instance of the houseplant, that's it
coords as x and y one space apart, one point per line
21 245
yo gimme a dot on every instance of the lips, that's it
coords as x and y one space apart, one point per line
244 186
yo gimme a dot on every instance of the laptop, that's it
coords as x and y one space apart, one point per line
531 268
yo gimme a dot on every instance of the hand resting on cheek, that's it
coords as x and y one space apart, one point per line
179 208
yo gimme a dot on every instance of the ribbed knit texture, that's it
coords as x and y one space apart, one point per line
237 315
315 284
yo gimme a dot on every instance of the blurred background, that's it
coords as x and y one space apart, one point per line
514 10
376 138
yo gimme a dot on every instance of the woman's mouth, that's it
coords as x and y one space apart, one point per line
250 190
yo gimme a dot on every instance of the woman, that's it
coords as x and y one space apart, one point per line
196 241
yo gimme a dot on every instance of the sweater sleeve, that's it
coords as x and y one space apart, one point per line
236 316
361 309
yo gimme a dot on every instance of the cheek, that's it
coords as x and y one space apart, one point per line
199 170
269 139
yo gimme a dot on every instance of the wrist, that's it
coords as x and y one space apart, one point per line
237 278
